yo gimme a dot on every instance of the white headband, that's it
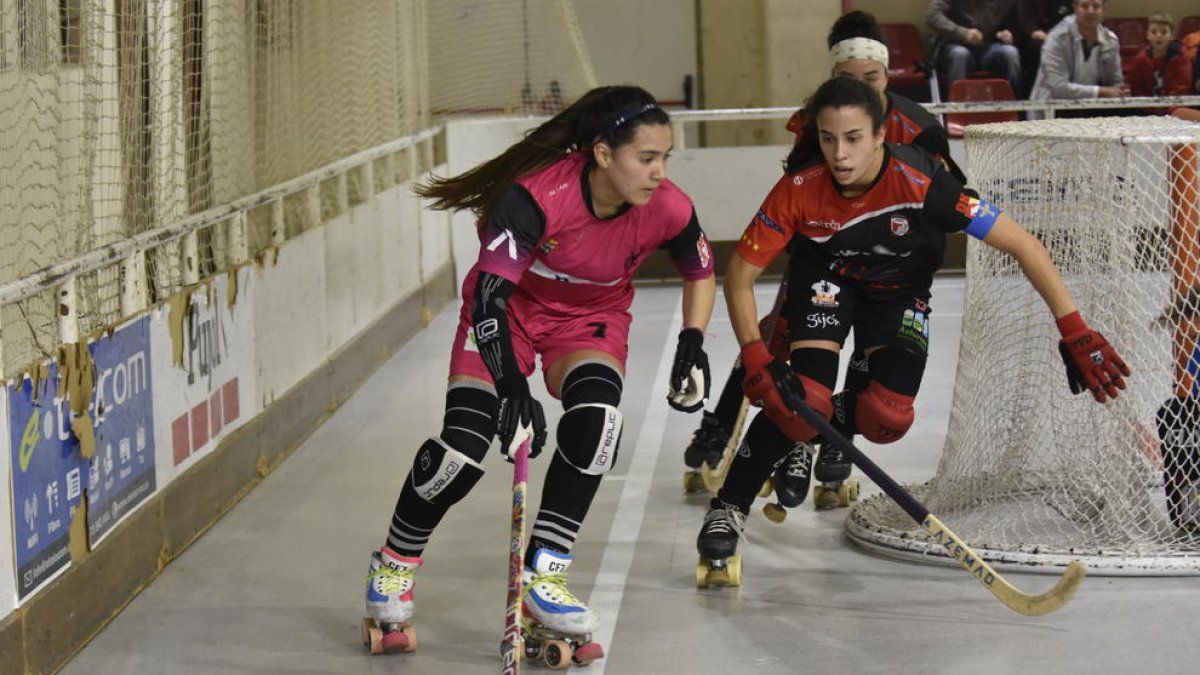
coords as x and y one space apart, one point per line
859 48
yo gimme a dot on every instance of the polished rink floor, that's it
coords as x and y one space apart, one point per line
277 585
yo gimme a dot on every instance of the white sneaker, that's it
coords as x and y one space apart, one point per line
549 603
390 581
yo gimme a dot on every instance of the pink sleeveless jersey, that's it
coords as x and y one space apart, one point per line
584 264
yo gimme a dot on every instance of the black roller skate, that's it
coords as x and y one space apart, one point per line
791 480
720 565
707 447
836 488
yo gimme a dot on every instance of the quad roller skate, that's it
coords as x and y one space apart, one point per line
717 544
556 626
836 488
390 580
707 447
790 481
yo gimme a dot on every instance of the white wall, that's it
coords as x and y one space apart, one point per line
650 44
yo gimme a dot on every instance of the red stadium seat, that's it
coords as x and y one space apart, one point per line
995 89
1131 33
906 59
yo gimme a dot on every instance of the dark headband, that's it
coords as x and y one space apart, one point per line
626 118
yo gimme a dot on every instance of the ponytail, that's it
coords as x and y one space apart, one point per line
606 114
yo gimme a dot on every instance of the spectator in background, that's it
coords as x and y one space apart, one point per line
974 34
1081 59
1191 51
1036 18
1162 68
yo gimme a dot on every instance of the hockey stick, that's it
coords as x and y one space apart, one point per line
1030 605
511 647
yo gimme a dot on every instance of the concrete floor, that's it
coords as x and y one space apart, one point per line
277 585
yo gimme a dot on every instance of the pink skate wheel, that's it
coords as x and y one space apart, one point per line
403 640
588 652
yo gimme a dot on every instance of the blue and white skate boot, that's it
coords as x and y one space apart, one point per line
390 581
558 626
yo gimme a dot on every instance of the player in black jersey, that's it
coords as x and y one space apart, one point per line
858 49
865 224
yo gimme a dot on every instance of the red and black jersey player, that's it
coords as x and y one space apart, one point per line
857 48
867 223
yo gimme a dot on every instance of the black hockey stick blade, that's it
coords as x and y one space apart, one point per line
1013 598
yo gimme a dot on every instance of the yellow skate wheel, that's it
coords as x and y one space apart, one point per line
556 654
693 481
734 566
847 493
824 498
372 636
775 513
702 574
765 490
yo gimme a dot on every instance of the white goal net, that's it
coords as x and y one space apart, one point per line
1030 474
122 117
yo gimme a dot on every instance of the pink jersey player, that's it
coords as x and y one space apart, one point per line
565 218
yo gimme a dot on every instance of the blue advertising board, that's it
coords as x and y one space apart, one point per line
49 475
121 475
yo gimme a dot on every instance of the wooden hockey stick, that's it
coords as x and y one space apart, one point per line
512 646
1024 603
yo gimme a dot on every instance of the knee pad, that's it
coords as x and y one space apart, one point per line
883 415
442 475
469 424
588 437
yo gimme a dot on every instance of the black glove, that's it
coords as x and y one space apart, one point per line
519 417
690 379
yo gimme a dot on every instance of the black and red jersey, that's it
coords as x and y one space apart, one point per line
890 237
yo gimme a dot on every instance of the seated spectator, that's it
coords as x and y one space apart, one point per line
968 35
1191 50
1036 18
1081 59
1162 68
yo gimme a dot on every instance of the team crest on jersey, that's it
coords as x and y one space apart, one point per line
548 246
899 226
825 294
703 251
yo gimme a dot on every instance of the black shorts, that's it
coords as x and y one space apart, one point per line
823 306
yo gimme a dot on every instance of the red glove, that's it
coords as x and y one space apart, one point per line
770 382
1091 362
778 343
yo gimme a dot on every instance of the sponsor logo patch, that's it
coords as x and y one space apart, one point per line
899 226
825 294
703 251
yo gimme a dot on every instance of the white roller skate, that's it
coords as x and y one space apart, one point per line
390 580
557 625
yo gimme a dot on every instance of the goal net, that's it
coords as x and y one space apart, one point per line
1031 475
120 118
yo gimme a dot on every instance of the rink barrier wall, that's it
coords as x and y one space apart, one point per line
325 302
54 623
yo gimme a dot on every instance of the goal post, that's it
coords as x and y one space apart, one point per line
1031 475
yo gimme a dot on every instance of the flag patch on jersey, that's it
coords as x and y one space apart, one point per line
967 205
899 226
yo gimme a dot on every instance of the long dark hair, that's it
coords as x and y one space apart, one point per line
839 91
608 114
